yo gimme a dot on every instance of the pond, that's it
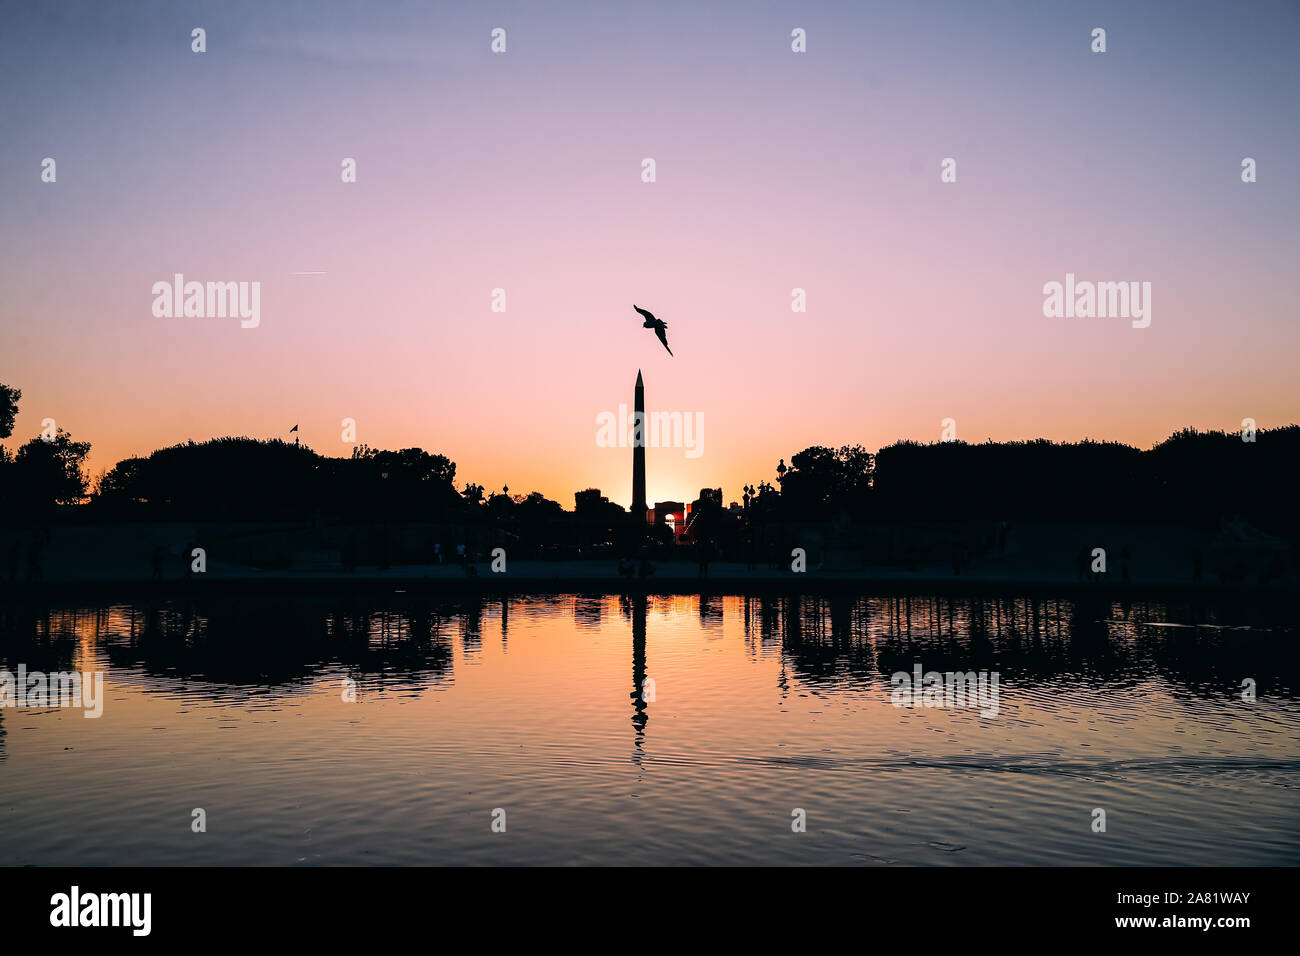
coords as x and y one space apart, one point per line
656 730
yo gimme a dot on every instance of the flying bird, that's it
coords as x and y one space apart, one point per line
660 327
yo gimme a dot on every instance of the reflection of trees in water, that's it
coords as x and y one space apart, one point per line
763 623
1032 639
245 642
1214 662
1223 643
253 641
408 640
249 641
396 646
30 634
505 621
588 610
1083 642
822 637
471 626
711 611
821 641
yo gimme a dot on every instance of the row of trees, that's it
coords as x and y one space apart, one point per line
1192 477
247 479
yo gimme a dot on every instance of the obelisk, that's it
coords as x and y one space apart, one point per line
638 453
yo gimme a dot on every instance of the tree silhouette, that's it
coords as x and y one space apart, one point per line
824 480
45 473
9 397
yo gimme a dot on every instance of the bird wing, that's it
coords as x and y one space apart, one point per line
648 315
663 337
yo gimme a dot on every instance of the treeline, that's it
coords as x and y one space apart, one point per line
1190 478
246 479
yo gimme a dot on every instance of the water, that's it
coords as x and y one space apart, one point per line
761 706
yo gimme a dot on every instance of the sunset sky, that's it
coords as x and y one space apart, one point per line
522 171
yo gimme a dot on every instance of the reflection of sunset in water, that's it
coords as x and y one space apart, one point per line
537 704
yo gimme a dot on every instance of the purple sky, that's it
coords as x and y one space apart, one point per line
522 171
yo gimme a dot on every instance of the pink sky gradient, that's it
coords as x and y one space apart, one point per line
775 170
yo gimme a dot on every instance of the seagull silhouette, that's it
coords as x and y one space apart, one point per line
660 327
